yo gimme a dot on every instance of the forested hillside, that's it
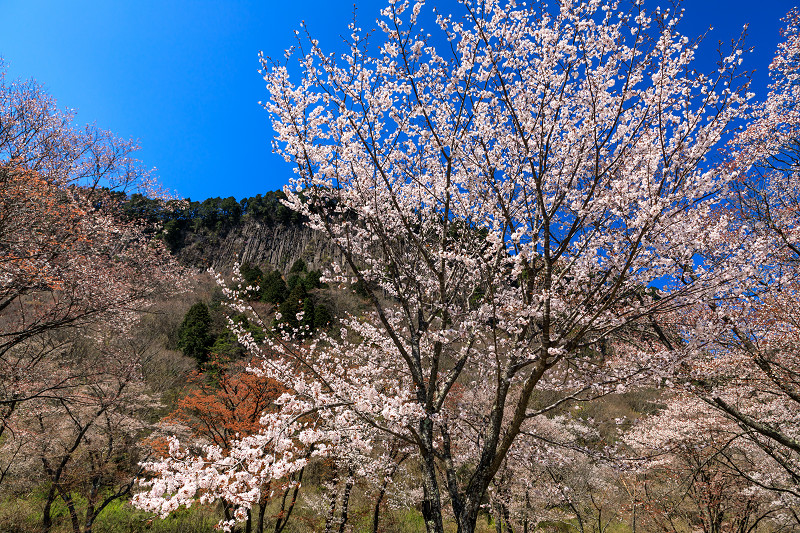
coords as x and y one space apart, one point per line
218 232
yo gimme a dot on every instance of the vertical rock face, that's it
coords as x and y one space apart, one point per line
276 245
273 244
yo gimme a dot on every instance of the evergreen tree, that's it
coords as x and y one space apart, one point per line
194 334
273 288
172 234
291 306
322 316
252 277
298 267
311 280
227 348
308 314
294 280
251 273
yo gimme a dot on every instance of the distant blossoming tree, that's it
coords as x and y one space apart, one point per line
63 267
703 471
36 135
66 257
749 364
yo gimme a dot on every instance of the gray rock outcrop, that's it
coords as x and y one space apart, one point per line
266 244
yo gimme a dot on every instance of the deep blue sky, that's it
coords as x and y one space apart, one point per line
181 76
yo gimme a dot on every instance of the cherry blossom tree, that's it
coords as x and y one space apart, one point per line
225 404
36 135
508 193
64 267
244 471
701 470
67 258
79 441
87 438
74 279
513 195
571 482
748 367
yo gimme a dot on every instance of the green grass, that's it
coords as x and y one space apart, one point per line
121 517
24 515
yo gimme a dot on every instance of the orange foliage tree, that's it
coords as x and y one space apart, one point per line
226 403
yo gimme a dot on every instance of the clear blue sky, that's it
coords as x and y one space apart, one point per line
181 76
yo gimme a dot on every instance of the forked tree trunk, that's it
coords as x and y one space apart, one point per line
376 513
286 513
468 518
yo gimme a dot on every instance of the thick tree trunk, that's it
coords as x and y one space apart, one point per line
468 518
348 486
332 506
262 508
376 513
47 518
73 513
431 501
226 512
88 521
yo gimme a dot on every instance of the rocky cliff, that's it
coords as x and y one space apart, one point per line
265 243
